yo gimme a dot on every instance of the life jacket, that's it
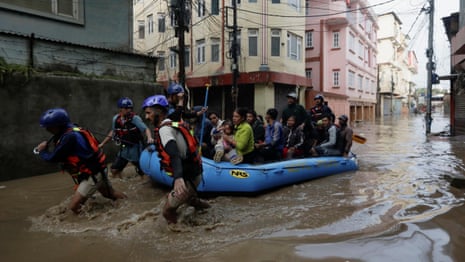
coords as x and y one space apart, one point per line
80 168
126 132
192 154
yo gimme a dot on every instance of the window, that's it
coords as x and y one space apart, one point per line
275 42
141 29
200 51
64 10
253 42
351 80
215 48
187 56
150 24
360 83
161 60
351 42
201 8
252 1
309 39
335 78
294 47
307 7
336 39
361 50
275 1
308 73
238 47
215 7
295 4
173 59
161 23
173 21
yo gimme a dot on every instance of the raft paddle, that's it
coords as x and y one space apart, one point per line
203 119
359 139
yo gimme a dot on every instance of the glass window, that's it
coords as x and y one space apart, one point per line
308 73
275 42
336 40
161 60
309 39
215 7
294 46
187 56
173 59
253 42
161 23
200 51
336 78
201 8
141 29
215 49
150 24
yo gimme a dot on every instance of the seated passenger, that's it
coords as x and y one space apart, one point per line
293 139
243 137
329 147
224 149
310 136
215 133
257 126
272 148
345 135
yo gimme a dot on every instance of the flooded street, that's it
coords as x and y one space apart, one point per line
399 206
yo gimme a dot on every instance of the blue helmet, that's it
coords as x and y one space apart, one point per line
319 96
175 89
54 117
155 100
125 102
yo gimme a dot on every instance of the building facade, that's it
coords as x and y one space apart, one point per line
341 53
104 23
270 38
396 67
455 28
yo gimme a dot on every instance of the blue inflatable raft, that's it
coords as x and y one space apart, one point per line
224 177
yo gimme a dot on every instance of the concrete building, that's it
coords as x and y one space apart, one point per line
341 52
455 28
104 23
53 54
396 66
271 50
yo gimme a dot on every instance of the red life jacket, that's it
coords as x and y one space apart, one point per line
126 131
192 153
80 168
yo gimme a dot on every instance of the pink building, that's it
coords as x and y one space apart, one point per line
341 48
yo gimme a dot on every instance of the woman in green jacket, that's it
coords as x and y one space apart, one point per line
243 137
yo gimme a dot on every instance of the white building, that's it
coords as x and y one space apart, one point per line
396 66
270 36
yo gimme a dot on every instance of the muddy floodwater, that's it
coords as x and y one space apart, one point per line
399 206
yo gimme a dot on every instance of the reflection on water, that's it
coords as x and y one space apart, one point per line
401 183
410 244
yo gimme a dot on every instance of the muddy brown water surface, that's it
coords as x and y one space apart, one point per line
399 206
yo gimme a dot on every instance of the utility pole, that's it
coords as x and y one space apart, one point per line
182 18
430 67
234 53
392 92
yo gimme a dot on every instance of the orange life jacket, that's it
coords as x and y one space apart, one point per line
80 168
192 153
126 132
